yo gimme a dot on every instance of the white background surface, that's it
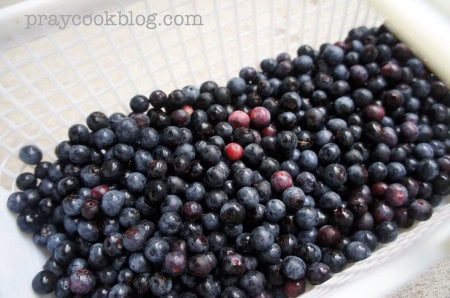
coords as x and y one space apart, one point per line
56 81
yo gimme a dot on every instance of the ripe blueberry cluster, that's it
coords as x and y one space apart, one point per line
250 190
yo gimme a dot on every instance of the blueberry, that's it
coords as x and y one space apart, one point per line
26 181
112 202
309 252
88 230
156 249
308 160
135 237
195 192
420 210
120 290
199 265
243 177
330 200
96 121
44 282
302 63
377 171
129 217
252 282
232 213
275 210
335 259
127 131
366 237
139 104
232 231
306 217
306 181
232 292
30 154
112 245
329 153
63 287
309 235
344 106
209 287
261 238
80 154
82 281
293 267
333 55
248 197
288 244
138 263
386 231
17 202
427 169
191 93
357 251
68 186
272 255
136 182
175 263
29 221
287 140
318 273
335 174
104 138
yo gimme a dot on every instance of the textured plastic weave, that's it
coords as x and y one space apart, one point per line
52 82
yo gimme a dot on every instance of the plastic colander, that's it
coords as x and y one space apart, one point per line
51 78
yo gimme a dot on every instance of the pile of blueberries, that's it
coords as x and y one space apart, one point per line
250 190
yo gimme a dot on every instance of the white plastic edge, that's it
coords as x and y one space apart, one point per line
424 26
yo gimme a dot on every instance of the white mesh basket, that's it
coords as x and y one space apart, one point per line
52 78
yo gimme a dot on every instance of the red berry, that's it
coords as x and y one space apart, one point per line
98 191
188 109
260 117
294 288
234 151
281 180
269 131
239 119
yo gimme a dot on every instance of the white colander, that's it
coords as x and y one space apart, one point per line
51 78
